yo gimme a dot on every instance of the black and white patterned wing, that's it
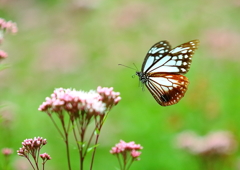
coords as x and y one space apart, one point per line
156 52
167 89
177 60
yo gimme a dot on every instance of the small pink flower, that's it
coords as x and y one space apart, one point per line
108 96
7 151
45 156
122 146
127 152
135 153
3 54
22 152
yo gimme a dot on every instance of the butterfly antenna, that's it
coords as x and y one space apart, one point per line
135 66
126 66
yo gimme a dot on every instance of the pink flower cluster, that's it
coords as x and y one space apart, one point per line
45 156
8 26
214 143
31 146
73 101
122 147
108 96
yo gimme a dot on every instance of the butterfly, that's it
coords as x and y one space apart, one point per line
163 68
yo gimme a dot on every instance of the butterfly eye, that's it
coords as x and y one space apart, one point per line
163 69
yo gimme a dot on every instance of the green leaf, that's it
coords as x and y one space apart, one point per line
97 132
82 143
91 148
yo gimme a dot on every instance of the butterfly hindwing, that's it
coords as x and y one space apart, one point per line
167 89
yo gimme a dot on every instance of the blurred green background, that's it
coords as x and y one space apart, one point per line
79 44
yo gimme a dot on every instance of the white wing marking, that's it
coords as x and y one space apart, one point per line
166 69
183 69
178 49
170 63
179 63
155 50
148 63
159 63
164 88
161 80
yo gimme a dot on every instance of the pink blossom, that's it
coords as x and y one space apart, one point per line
31 146
109 97
22 152
8 26
126 152
135 153
45 156
122 146
3 54
7 151
71 100
220 143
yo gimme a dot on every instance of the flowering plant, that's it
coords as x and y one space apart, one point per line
75 110
211 149
32 147
6 26
127 152
6 153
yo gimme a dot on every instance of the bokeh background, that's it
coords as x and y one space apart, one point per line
79 44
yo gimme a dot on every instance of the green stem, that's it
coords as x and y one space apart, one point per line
98 127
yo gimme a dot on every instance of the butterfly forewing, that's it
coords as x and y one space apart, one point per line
156 52
178 60
163 69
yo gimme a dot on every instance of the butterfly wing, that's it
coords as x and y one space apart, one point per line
156 52
167 89
177 60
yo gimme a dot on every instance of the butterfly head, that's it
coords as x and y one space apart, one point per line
142 77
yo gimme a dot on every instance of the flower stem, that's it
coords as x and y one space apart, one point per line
98 128
55 124
66 141
119 161
130 164
68 153
30 162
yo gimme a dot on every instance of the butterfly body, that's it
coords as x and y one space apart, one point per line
163 68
